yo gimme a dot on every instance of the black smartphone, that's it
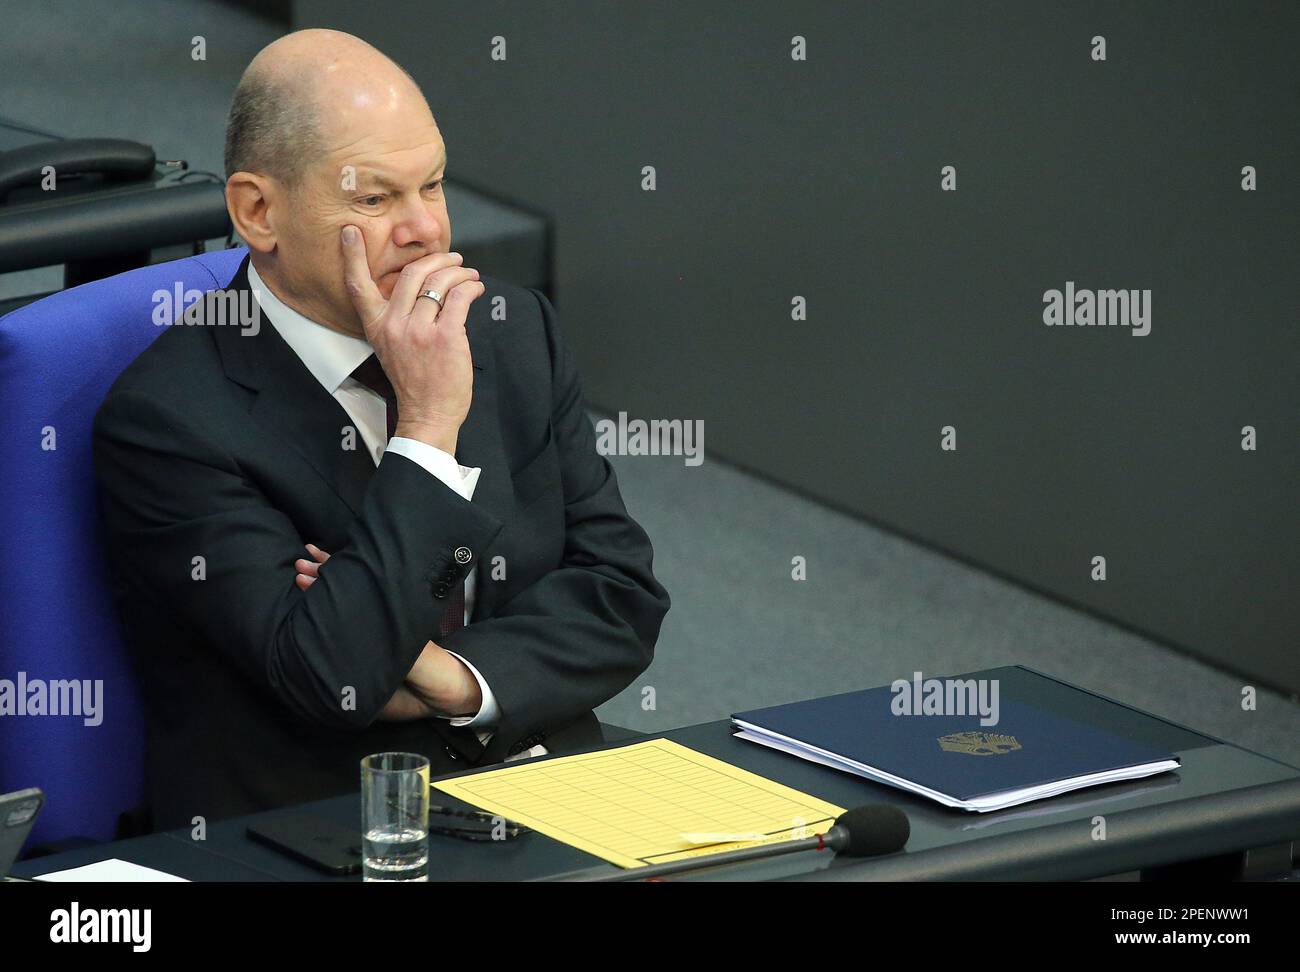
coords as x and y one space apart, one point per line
323 844
18 812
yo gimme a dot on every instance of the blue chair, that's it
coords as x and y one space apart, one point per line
58 357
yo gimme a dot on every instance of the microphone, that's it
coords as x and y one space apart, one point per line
866 831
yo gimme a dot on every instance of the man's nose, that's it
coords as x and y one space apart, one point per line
417 223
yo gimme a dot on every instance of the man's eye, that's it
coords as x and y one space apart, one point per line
437 184
371 200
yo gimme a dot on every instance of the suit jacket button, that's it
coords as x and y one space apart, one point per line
463 555
451 752
441 591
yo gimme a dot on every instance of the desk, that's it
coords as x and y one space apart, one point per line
1223 801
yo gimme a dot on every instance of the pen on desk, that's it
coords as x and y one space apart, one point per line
487 823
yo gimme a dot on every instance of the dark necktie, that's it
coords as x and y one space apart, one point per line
371 374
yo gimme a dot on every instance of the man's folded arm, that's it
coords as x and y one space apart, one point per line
580 634
333 654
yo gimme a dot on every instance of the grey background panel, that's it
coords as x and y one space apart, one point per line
821 179
769 192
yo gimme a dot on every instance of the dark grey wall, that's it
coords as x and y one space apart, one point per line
822 179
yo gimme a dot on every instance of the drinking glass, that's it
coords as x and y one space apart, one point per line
395 817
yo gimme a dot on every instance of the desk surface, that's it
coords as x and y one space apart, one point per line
1223 799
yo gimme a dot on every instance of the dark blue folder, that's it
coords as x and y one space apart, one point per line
956 756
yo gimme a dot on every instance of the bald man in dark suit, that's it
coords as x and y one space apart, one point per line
381 522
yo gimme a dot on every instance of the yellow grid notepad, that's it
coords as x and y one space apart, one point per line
632 805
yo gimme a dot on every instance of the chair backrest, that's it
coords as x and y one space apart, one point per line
58 623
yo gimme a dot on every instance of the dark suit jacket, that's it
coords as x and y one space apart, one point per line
219 445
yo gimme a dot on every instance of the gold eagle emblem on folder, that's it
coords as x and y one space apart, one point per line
979 743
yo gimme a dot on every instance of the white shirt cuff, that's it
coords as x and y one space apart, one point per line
440 464
488 713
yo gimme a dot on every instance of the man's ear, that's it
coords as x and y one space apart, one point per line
248 200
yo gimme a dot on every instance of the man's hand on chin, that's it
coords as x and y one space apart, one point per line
438 684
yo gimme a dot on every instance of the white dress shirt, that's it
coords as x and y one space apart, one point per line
331 357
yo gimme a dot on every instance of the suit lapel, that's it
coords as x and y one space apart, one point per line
291 404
